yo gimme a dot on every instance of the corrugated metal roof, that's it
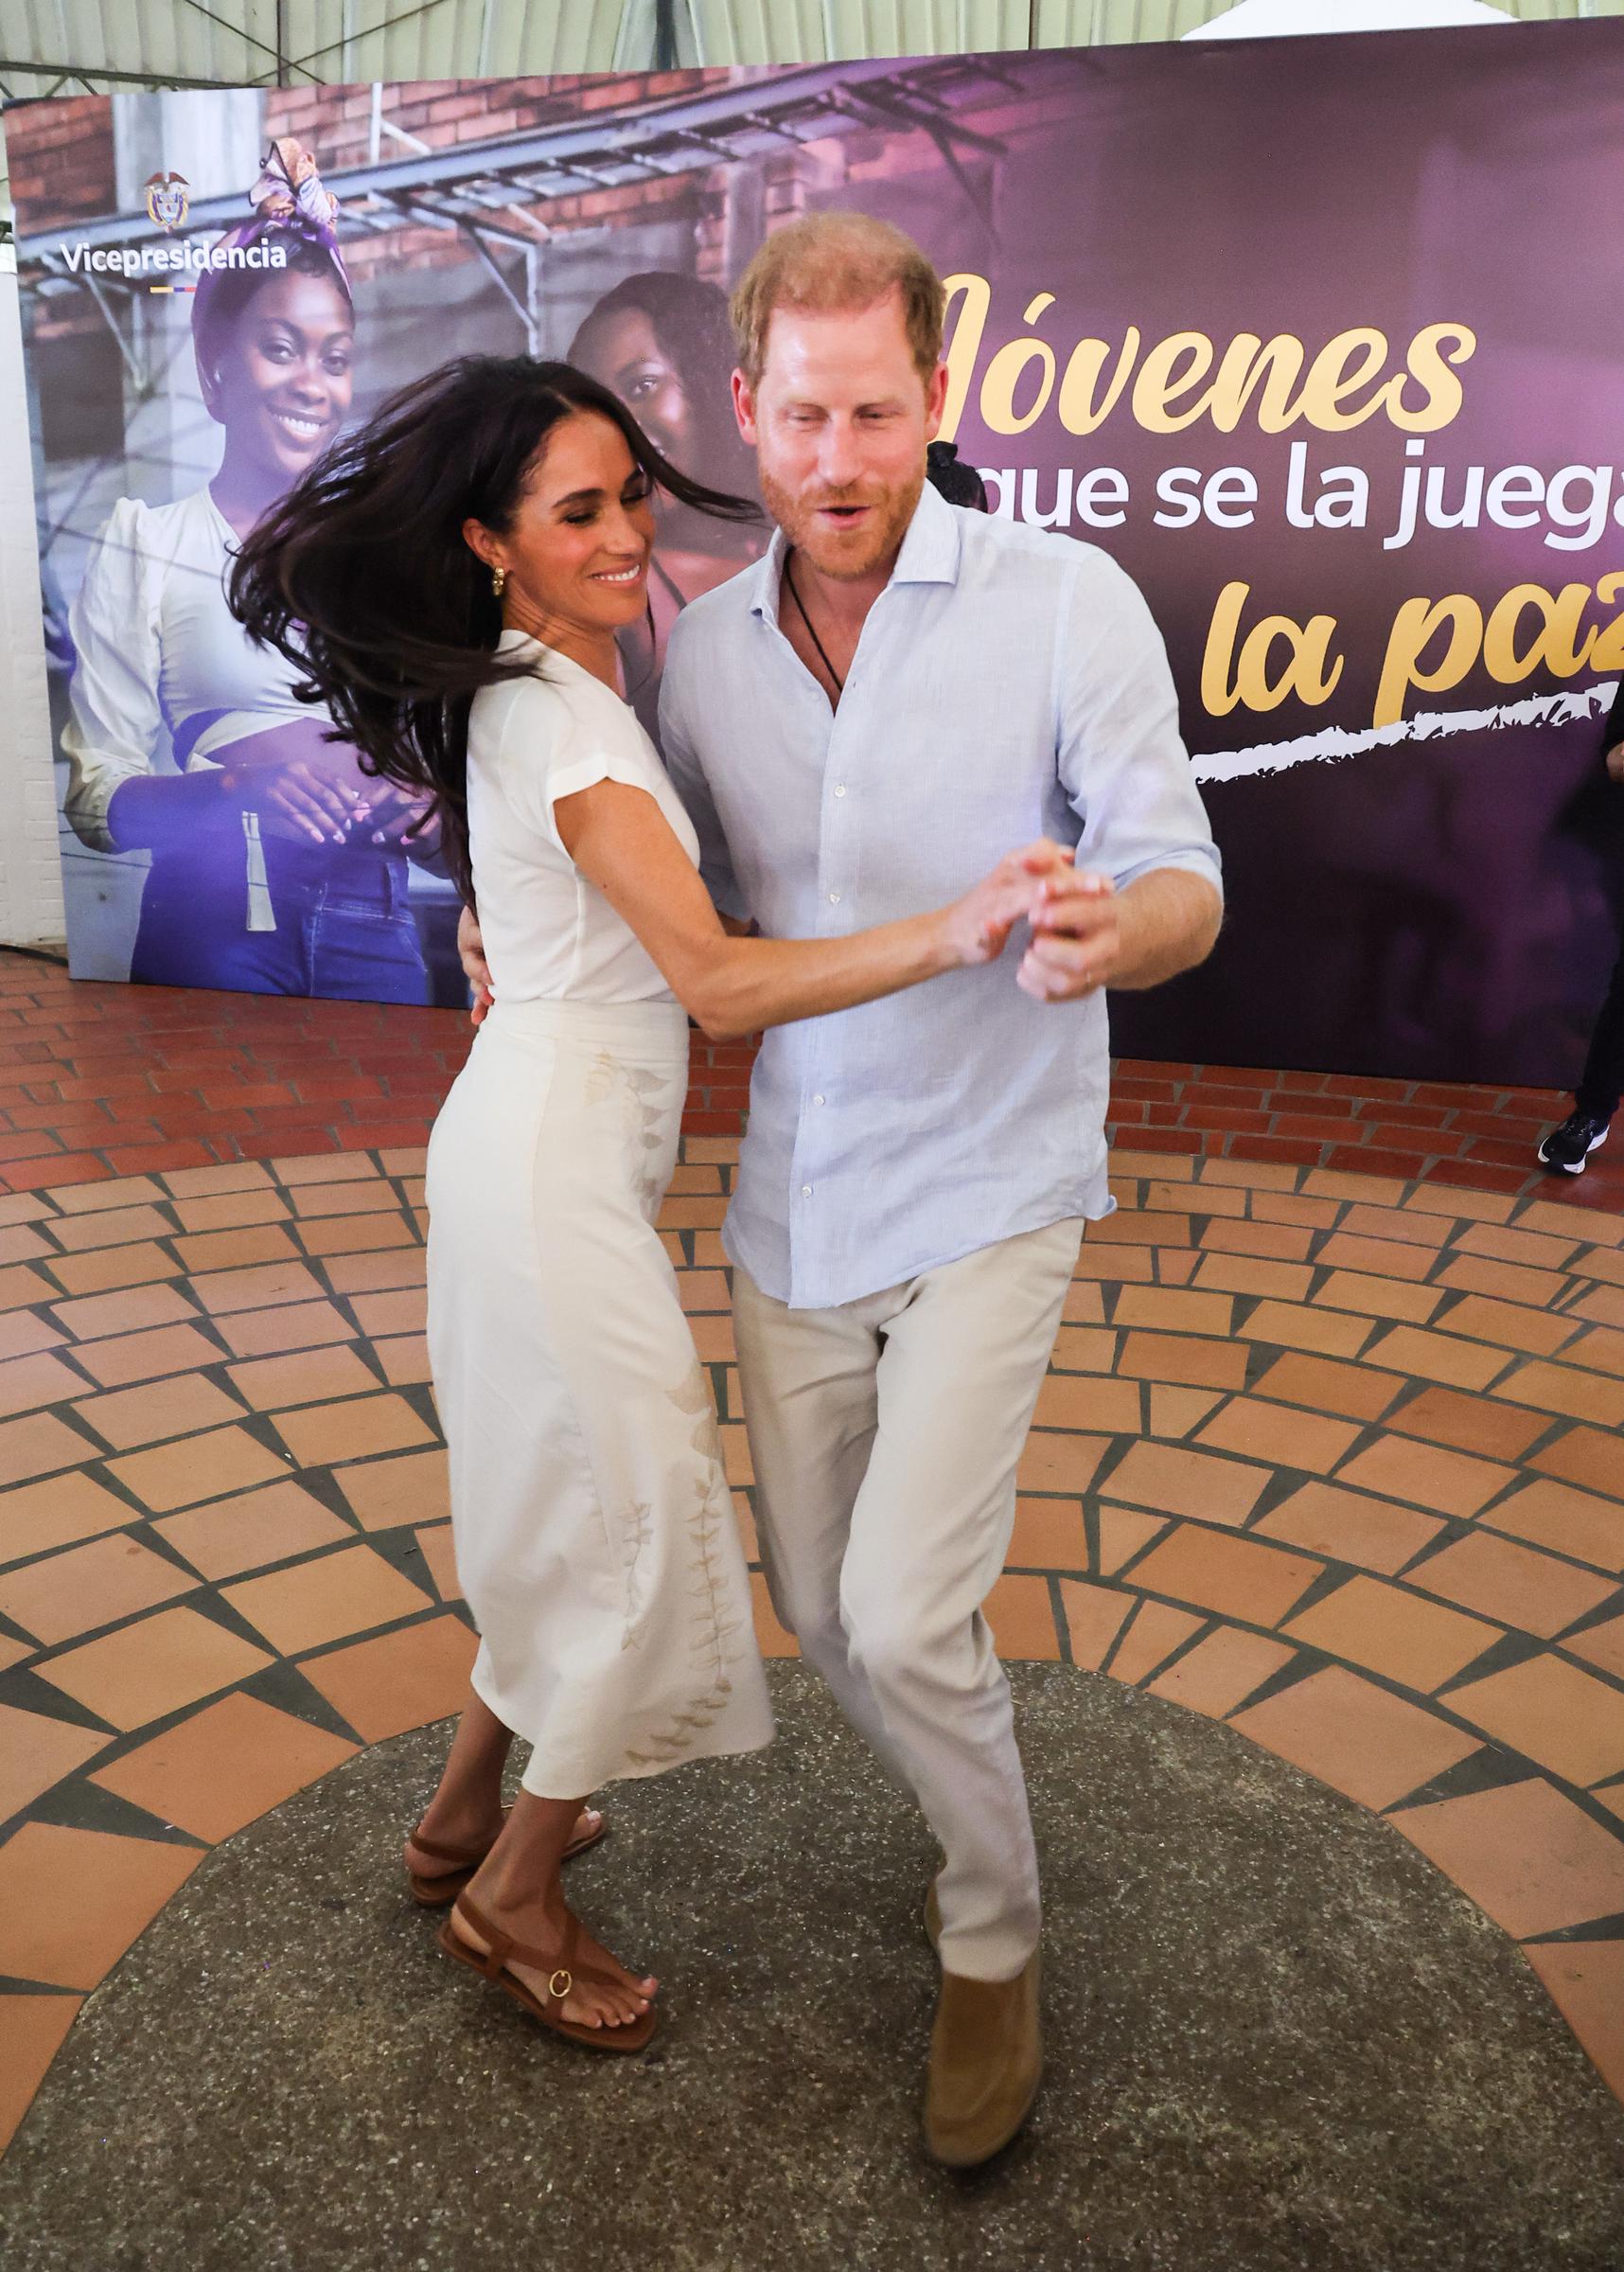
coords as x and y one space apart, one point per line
236 42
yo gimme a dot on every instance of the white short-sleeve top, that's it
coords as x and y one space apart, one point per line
549 935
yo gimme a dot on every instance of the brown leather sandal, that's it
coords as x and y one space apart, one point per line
439 1892
631 2036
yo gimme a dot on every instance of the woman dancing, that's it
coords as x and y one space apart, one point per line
452 580
277 868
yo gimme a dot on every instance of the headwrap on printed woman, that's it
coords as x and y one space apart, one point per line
290 203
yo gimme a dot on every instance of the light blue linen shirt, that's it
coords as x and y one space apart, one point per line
1009 683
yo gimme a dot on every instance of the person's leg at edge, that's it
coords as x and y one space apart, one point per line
1567 1147
1604 1077
959 1379
809 1383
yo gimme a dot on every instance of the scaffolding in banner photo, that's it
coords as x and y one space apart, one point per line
485 191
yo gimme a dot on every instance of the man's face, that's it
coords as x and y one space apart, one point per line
839 422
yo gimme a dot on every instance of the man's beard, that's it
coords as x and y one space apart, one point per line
843 560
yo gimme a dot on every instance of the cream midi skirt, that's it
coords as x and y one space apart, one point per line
594 1533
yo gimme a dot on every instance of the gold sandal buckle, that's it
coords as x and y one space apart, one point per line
560 1984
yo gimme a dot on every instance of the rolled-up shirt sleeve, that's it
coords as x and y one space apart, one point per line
677 749
1122 761
113 715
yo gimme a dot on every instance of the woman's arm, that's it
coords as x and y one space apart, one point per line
620 841
149 812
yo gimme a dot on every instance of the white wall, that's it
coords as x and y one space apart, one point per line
30 876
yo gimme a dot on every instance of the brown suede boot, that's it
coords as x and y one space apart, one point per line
986 2060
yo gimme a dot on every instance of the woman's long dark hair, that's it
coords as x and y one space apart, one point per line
361 576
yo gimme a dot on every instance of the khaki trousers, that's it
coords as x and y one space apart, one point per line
884 1435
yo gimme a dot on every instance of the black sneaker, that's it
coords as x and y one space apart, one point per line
1569 1146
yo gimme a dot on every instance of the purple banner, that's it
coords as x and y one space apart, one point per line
1317 337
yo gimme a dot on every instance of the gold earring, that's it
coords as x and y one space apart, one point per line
498 580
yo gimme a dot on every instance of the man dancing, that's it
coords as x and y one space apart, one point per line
859 725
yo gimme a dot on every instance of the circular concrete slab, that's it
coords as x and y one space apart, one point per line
1277 2042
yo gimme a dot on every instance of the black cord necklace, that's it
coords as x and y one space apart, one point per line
839 683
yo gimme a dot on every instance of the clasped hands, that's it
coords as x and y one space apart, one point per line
1076 943
310 790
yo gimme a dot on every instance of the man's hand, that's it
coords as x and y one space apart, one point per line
978 925
1615 761
1088 934
471 951
1076 937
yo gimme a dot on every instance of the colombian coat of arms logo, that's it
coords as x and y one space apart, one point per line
167 199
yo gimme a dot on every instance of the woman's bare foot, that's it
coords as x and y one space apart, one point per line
474 1837
593 1953
596 1999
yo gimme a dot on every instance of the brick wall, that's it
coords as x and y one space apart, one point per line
60 159
336 124
335 121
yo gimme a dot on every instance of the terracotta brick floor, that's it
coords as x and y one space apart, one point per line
100 1081
1334 1456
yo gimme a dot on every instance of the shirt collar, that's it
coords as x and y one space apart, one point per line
929 554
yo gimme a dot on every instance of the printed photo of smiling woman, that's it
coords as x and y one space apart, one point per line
277 866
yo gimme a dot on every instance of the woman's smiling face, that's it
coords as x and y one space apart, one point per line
284 384
623 352
576 554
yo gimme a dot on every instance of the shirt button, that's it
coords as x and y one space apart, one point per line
834 898
817 1100
840 788
805 1191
